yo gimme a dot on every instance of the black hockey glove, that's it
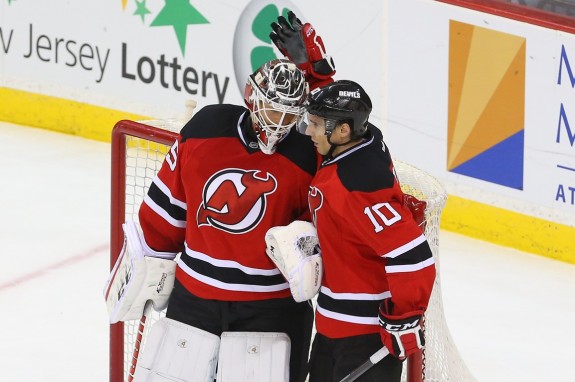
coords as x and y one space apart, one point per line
300 44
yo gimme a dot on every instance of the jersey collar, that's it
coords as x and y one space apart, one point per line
246 133
349 151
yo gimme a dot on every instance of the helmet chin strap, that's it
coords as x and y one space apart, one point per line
334 145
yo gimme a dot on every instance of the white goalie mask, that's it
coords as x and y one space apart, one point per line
275 94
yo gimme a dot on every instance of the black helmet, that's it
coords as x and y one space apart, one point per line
339 102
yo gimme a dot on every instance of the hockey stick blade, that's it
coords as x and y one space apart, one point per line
375 358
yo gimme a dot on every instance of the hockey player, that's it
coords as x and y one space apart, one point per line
378 267
233 173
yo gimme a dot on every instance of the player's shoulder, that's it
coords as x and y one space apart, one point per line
299 149
368 168
219 120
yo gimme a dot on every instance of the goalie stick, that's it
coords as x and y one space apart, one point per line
138 343
371 361
190 106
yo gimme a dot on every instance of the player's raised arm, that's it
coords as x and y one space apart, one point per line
301 44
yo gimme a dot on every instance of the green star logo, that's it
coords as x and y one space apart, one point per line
179 14
141 9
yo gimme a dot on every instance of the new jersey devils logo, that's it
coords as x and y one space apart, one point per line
234 200
315 201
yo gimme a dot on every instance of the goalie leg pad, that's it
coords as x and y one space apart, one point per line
178 352
254 357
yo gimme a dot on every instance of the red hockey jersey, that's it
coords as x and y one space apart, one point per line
372 249
215 197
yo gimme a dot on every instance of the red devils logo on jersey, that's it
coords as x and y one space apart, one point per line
234 200
315 201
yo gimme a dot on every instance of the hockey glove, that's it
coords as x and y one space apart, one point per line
294 249
417 208
300 44
140 274
402 335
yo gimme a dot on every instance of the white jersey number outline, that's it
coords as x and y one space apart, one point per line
172 156
374 212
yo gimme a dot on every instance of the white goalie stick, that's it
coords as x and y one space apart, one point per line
138 343
371 361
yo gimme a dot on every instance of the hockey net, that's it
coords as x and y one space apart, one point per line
138 150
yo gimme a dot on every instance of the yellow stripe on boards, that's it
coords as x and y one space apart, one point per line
510 229
59 114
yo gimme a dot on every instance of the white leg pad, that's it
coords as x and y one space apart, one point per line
177 352
254 357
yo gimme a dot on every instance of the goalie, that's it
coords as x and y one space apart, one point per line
215 210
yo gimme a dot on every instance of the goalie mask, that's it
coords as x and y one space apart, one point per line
339 102
275 94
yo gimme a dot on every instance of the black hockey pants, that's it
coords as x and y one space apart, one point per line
333 359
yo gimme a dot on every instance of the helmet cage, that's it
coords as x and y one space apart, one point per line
270 128
275 94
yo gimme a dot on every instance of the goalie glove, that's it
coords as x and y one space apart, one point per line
300 43
295 251
402 335
140 274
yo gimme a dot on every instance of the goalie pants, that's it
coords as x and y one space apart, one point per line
275 315
332 359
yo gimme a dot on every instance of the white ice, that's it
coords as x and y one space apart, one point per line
510 313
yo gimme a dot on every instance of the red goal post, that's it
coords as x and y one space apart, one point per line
138 150
134 146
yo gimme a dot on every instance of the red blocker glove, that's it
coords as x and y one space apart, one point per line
402 335
300 43
417 208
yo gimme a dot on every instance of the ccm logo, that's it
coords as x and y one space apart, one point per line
399 327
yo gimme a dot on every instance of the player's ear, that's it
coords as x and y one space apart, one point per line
345 129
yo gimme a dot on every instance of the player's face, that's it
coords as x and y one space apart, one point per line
316 130
274 117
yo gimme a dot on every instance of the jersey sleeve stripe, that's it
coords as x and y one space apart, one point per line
406 247
163 213
163 198
354 296
166 191
409 267
348 317
360 308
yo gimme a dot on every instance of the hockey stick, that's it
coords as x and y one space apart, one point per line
139 337
375 358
